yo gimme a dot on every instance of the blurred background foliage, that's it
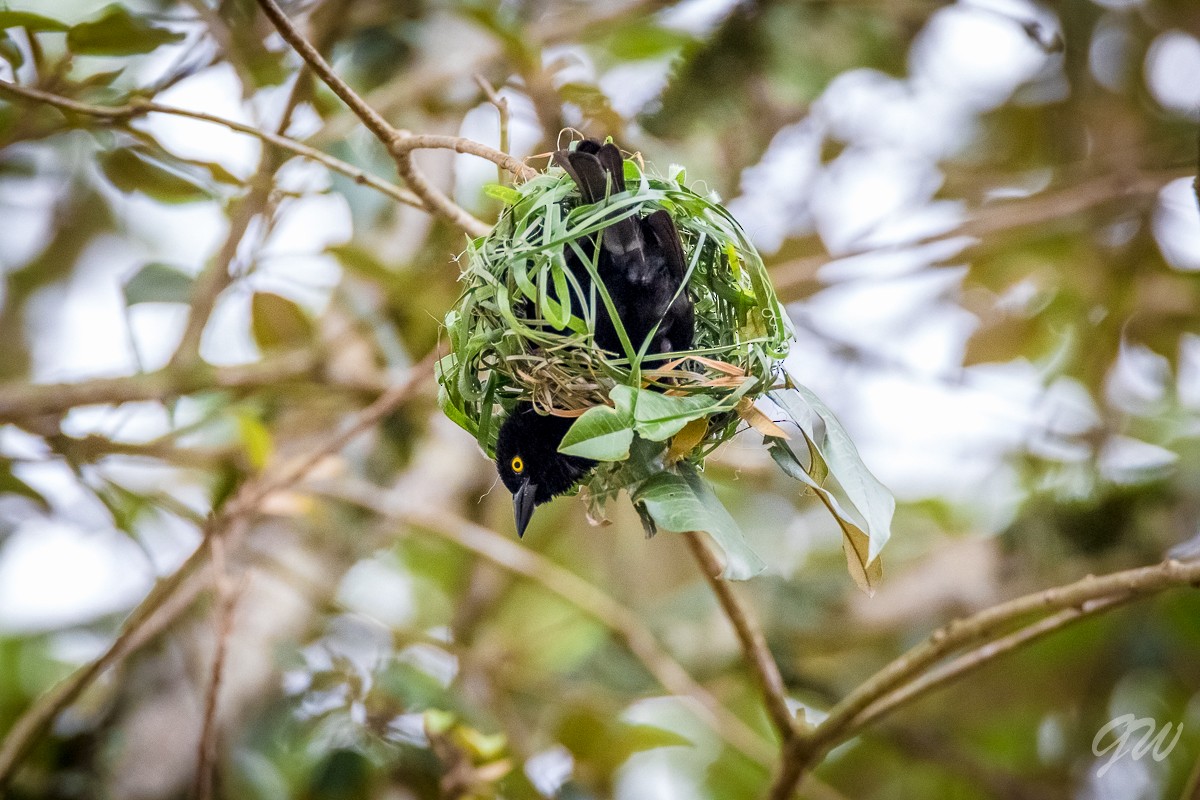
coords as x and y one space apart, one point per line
980 214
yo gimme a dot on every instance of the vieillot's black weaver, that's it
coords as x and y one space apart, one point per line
642 266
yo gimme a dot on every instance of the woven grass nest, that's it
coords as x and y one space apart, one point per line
513 338
649 424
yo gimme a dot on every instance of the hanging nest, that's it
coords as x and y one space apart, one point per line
513 337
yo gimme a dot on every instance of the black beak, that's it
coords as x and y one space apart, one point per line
523 503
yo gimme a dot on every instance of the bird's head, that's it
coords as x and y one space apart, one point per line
529 463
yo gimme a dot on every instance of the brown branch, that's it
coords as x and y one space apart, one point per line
750 636
1091 595
400 144
23 400
172 595
141 108
594 602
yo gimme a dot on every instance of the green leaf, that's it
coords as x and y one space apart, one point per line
682 501
658 417
278 323
643 41
116 32
505 194
132 171
868 496
864 507
640 738
34 23
158 283
256 439
601 434
10 52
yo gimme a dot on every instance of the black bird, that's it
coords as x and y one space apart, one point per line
642 266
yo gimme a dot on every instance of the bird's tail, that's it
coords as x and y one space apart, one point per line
599 171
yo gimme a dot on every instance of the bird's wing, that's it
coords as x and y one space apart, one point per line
664 238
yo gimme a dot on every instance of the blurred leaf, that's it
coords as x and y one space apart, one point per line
682 501
34 23
643 39
343 775
278 323
11 484
256 438
118 33
602 433
639 738
10 52
593 102
158 283
484 746
132 171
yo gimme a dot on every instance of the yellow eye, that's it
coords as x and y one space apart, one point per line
518 466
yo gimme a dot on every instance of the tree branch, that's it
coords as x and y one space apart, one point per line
140 108
594 602
750 636
400 144
227 599
889 686
172 595
24 400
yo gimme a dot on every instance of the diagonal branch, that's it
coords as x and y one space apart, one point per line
889 688
594 602
750 636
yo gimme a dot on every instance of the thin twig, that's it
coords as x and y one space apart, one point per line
583 595
141 108
227 600
174 594
750 636
1091 593
501 106
217 274
378 126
